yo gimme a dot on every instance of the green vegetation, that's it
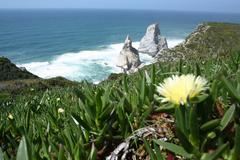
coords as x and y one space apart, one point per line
209 40
10 89
10 71
68 120
97 118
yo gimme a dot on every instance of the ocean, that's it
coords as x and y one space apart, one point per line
83 44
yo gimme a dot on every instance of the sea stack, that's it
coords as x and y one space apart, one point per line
128 59
152 42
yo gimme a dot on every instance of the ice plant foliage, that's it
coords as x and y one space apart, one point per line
178 89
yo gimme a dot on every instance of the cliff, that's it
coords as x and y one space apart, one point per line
14 80
210 39
9 71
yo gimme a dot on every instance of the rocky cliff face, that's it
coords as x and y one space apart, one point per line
209 40
152 42
128 58
9 71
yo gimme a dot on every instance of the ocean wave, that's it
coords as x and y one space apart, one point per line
92 65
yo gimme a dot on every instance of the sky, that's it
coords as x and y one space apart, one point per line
178 5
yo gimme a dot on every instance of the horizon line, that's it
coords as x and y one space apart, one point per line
128 9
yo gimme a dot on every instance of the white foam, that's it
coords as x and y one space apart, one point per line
173 42
93 65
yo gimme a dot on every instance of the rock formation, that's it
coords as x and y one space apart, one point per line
152 42
128 58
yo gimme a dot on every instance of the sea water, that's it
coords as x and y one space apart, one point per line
84 44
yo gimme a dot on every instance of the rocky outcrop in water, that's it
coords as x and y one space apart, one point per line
128 59
152 42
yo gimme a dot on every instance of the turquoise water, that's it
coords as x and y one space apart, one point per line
84 44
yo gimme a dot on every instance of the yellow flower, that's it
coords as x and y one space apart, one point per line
178 89
60 110
10 116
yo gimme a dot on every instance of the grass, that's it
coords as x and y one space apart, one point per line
97 118
211 39
60 119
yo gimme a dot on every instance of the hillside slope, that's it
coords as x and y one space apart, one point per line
86 121
14 80
211 39
9 71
